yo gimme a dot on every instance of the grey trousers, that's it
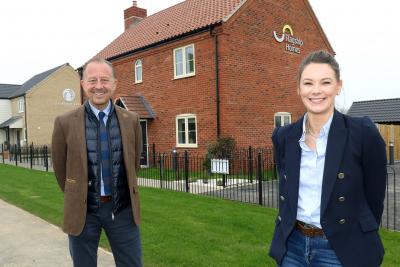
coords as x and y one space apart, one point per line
121 231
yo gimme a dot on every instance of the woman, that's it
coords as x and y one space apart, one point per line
332 178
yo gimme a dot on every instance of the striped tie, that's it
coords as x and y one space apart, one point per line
105 156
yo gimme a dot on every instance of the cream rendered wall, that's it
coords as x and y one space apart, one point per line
5 110
5 114
45 101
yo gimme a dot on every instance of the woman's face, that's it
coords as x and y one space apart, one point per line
318 88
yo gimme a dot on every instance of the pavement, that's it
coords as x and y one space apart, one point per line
26 240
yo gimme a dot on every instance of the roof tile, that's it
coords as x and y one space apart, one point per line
383 110
185 17
137 104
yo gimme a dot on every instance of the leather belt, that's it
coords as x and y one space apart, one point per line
105 199
308 229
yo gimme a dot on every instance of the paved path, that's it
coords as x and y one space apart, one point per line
26 240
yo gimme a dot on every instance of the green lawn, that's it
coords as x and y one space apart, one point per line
178 229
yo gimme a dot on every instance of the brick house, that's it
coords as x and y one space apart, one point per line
203 69
27 111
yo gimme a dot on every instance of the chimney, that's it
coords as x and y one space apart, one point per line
134 15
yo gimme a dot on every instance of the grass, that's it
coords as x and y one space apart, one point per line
177 229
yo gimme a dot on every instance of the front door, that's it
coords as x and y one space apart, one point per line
18 138
145 150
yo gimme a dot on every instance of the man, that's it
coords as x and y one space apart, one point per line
96 150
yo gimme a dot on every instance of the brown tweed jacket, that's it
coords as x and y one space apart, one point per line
69 157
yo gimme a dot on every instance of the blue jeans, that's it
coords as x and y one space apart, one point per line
122 233
309 252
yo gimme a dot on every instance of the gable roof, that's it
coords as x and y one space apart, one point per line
7 90
383 110
137 104
34 81
178 20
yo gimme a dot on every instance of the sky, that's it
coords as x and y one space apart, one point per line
42 34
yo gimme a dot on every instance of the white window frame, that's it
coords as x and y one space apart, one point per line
21 105
184 62
186 117
138 64
282 115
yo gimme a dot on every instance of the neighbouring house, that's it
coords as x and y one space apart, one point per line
385 113
203 69
27 111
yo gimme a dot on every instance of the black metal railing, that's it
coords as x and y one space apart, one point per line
27 156
249 175
391 212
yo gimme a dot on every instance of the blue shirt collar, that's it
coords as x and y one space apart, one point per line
97 111
324 131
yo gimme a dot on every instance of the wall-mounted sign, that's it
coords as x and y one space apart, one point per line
68 95
292 44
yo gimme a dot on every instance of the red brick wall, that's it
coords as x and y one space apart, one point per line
257 77
170 97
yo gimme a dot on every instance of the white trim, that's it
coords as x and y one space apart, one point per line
282 115
186 117
141 74
122 101
184 62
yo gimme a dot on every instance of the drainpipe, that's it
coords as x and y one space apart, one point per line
26 124
217 82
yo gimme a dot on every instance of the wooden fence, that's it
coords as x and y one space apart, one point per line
391 133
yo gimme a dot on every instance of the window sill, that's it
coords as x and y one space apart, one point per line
186 145
184 76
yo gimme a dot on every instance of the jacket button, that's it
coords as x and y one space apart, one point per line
341 199
284 176
342 221
340 175
282 198
279 218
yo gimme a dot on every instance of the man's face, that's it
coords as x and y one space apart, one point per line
99 84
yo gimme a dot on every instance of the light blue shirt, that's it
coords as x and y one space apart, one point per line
311 175
96 112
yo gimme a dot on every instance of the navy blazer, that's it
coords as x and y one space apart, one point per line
353 189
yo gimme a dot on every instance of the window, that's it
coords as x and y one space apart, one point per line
138 71
21 105
186 131
184 61
282 119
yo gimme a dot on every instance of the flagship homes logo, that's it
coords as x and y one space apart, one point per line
292 43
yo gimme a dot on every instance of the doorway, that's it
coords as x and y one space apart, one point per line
144 157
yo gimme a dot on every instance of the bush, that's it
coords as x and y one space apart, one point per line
223 148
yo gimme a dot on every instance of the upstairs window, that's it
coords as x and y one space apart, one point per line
138 71
186 130
282 119
21 106
184 63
